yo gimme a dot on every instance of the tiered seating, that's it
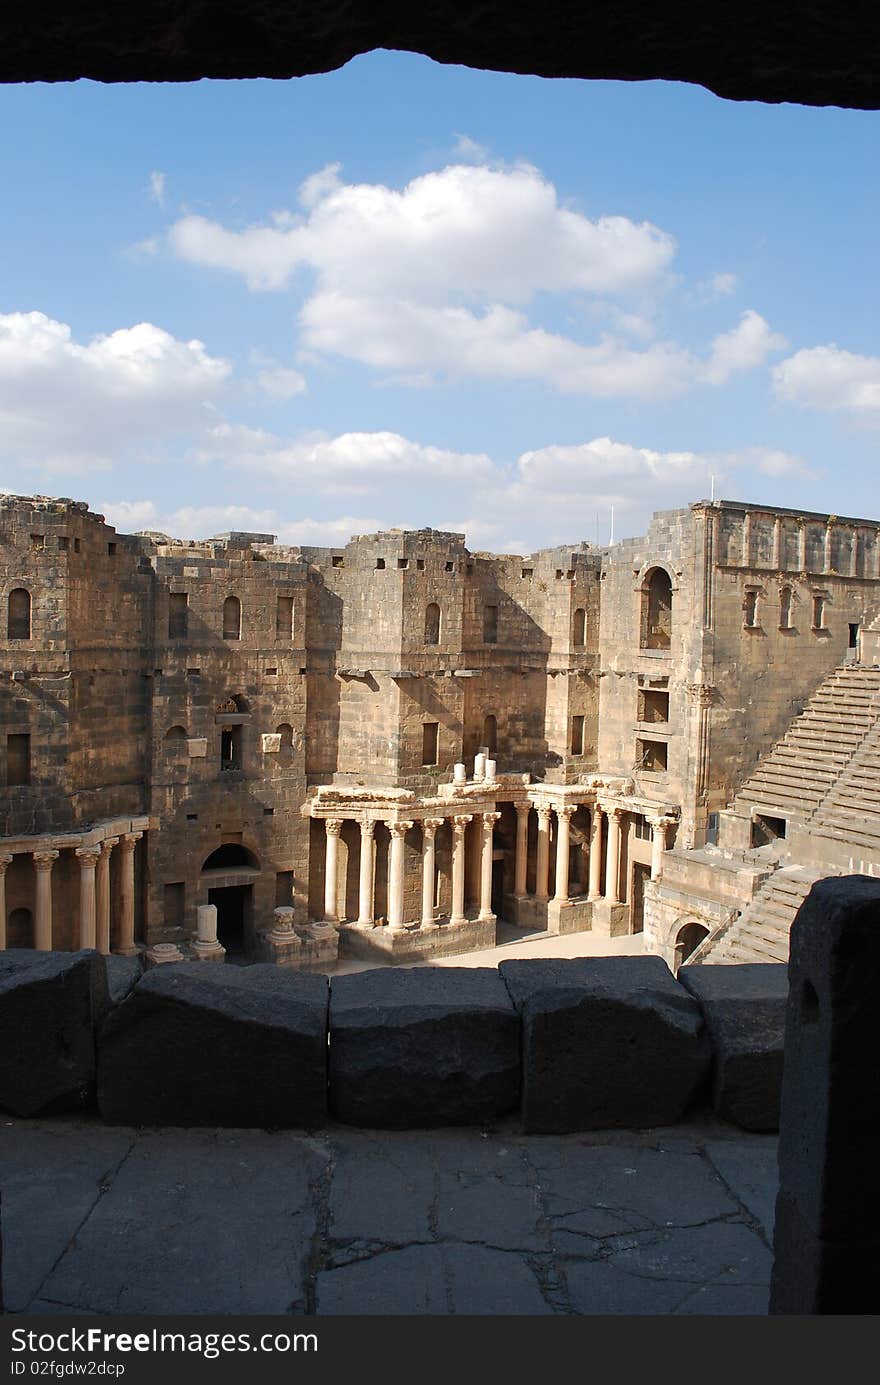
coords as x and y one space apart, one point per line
819 746
851 811
761 933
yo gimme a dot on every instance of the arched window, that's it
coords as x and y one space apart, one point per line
490 734
19 615
175 738
656 622
579 628
785 608
232 618
432 624
20 929
229 856
285 731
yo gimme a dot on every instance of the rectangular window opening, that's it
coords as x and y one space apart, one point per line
430 739
653 705
284 889
577 735
284 618
490 624
174 904
178 616
651 756
18 760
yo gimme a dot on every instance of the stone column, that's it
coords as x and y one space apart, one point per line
522 849
747 539
207 946
776 561
398 831
826 560
5 863
659 829
459 827
43 862
429 832
102 903
88 859
542 890
126 894
489 821
612 858
802 545
365 876
332 827
595 886
563 837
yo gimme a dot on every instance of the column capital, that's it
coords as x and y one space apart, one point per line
43 860
333 826
700 694
5 861
544 810
489 819
461 820
129 840
523 809
88 856
108 844
399 829
368 827
430 825
565 811
663 821
611 810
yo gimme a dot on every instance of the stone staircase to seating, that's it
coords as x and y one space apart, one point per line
821 744
761 933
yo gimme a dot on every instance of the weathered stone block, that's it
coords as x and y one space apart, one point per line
123 974
607 1042
425 1046
50 1003
234 1046
744 1010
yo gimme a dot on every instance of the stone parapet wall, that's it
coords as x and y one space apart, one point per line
572 1044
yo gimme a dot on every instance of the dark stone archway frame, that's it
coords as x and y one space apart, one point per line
804 51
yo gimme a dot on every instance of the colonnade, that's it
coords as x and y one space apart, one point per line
598 888
94 894
398 829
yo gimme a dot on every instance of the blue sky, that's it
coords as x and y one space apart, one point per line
408 294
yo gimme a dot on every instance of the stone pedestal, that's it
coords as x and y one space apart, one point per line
609 920
160 953
207 947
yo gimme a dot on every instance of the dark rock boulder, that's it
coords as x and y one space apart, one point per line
422 1046
200 1044
50 1004
607 1042
744 1010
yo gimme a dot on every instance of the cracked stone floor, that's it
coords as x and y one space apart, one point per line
109 1220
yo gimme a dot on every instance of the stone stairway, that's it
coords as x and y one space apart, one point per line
818 748
850 812
761 933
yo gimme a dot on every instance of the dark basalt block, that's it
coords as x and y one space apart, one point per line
50 1004
203 1044
123 974
744 1010
426 1046
607 1042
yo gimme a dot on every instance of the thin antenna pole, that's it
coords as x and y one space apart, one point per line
611 539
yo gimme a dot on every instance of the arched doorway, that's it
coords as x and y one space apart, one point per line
227 872
687 941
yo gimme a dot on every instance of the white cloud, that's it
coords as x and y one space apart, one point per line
71 406
200 522
319 185
352 463
720 285
469 151
746 346
157 187
827 377
281 382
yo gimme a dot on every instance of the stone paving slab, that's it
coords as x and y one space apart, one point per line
347 1221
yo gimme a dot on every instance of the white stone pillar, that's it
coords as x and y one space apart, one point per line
398 832
479 767
595 883
5 863
659 828
563 838
612 857
459 827
429 833
459 773
489 821
491 771
522 849
332 827
43 862
102 896
127 845
207 947
88 857
365 876
542 881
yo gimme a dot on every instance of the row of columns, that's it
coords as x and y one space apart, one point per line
333 826
398 831
94 895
